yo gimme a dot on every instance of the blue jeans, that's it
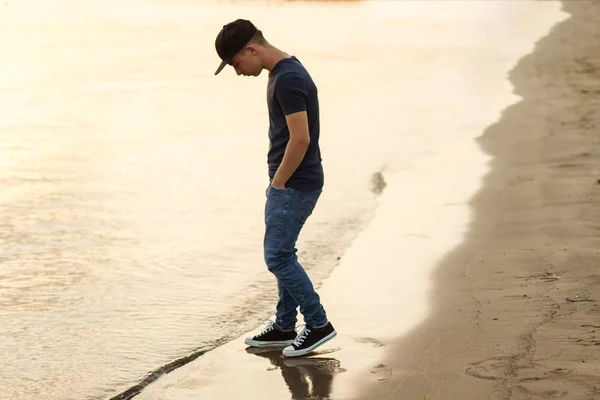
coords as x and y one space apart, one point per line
286 211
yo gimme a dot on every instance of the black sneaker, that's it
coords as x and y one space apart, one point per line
271 337
309 339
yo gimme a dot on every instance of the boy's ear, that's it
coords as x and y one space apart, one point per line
252 49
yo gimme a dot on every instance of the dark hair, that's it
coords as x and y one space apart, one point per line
258 38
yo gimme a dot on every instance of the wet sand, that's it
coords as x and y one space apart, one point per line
516 307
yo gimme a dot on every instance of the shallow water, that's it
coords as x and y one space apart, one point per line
132 179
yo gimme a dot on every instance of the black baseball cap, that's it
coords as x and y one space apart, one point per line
232 38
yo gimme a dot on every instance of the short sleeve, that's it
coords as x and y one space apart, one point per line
291 93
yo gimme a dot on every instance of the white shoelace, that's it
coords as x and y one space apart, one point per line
301 336
270 326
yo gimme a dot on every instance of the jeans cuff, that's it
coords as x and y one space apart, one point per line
320 326
279 328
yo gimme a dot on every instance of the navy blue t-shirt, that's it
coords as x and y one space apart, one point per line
290 90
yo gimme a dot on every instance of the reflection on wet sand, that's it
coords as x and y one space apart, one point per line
306 377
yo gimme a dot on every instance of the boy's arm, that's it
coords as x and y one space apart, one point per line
295 149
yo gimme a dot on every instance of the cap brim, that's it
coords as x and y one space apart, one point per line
223 64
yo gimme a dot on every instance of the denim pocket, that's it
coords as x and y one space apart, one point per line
275 190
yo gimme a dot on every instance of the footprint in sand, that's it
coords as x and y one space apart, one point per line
374 342
382 372
492 369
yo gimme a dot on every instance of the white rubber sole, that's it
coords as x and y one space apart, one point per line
290 352
256 343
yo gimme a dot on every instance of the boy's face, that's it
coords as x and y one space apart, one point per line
247 62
